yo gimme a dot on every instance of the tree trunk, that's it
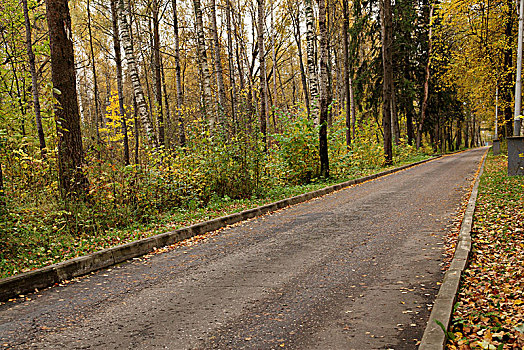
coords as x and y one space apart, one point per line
395 128
2 192
345 33
466 133
263 79
120 87
353 107
98 116
72 179
167 120
458 136
473 133
386 24
221 110
231 65
508 78
178 80
34 81
426 81
138 92
298 40
204 67
311 61
323 115
274 59
158 74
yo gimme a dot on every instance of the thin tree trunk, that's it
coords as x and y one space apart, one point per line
166 103
34 80
2 191
221 110
347 92
98 116
458 139
387 80
323 115
120 87
204 67
311 59
395 128
231 65
296 24
263 79
352 107
274 59
138 92
137 129
158 74
426 81
178 80
72 179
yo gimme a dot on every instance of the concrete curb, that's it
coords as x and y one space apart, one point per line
434 337
29 281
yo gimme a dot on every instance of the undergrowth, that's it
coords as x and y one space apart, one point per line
170 187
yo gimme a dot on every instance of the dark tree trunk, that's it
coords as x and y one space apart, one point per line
167 119
409 123
323 115
426 82
345 39
120 87
72 179
158 74
458 137
395 128
387 81
231 65
178 80
221 110
263 79
34 80
295 17
466 133
2 191
98 116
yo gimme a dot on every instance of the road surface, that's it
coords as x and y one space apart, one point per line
356 269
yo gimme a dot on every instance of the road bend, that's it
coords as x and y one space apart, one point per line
356 269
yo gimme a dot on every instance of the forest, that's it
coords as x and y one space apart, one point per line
122 118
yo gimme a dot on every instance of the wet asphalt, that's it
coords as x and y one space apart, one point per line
356 269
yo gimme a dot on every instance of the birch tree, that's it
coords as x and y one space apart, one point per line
138 92
204 66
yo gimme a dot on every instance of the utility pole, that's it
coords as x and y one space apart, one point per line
516 143
496 142
518 84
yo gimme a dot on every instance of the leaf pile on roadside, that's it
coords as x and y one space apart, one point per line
489 313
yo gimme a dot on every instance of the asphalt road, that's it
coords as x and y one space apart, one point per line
357 269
